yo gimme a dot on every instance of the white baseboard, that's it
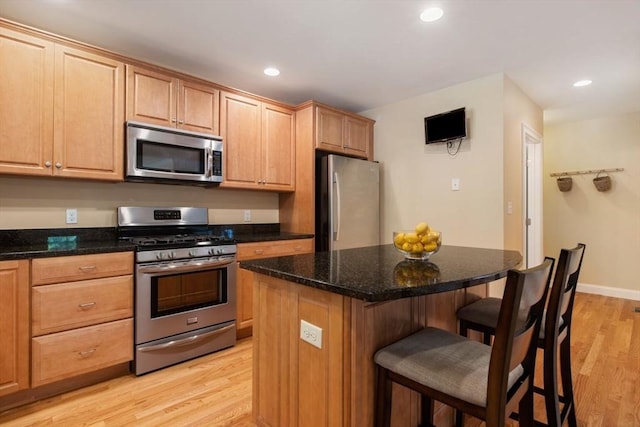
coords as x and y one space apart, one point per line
608 291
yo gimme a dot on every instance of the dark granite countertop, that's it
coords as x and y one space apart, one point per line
380 273
38 243
265 237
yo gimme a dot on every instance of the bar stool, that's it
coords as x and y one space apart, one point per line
482 316
484 381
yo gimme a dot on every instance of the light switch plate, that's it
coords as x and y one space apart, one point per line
455 184
247 215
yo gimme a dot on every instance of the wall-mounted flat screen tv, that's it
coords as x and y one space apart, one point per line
446 126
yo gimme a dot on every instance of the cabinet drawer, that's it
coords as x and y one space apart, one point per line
66 306
66 354
275 248
80 267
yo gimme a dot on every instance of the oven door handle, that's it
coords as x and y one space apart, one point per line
187 341
187 267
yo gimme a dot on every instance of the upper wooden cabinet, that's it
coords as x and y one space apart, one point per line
64 114
259 144
167 100
14 324
345 133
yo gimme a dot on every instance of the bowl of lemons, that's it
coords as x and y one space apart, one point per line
419 243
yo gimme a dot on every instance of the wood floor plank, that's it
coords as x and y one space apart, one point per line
215 390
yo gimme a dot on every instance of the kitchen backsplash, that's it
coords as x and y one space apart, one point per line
42 203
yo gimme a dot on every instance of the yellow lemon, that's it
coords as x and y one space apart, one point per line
432 236
424 239
406 246
422 228
417 247
411 237
399 239
430 247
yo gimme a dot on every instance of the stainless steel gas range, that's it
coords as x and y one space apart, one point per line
185 285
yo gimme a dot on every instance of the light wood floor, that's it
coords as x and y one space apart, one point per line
215 390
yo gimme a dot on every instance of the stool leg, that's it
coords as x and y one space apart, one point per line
383 399
567 382
426 408
463 329
459 418
550 377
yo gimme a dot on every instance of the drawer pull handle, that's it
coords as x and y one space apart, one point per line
86 305
87 268
259 251
87 353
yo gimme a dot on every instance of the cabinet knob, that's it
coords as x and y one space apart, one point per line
47 164
58 165
181 122
173 120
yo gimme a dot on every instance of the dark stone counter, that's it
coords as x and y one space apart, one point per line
41 243
380 273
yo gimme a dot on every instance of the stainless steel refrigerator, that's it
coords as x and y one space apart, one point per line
347 202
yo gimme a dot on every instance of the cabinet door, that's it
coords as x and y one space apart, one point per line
244 278
240 124
88 115
151 96
14 324
330 136
357 137
198 107
278 147
26 97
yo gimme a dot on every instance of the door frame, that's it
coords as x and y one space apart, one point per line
532 156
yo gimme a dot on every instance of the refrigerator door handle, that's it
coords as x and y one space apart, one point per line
336 223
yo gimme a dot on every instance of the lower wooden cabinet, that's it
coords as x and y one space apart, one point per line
244 278
81 315
14 326
78 351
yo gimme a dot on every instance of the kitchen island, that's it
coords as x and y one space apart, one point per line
319 318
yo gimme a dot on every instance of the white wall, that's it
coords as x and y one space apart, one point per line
416 178
41 203
607 222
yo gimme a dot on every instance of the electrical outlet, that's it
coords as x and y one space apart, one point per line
247 215
509 207
455 184
72 216
311 333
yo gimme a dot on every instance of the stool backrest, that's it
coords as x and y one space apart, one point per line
525 292
563 291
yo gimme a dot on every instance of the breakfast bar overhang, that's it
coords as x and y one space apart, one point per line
319 318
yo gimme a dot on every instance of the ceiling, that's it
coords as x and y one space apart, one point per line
361 54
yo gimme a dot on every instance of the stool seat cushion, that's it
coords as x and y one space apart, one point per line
443 361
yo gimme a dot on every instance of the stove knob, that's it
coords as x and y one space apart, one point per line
159 256
171 255
193 253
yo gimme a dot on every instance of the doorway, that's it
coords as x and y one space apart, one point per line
532 194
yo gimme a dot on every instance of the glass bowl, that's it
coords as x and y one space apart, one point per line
417 246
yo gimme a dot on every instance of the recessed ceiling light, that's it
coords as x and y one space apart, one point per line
271 71
581 83
431 14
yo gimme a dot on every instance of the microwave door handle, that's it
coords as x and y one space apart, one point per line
209 163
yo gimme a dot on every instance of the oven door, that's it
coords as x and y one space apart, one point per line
177 297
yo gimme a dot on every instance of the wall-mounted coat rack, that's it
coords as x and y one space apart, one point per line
585 172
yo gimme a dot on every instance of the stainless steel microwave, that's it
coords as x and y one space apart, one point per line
173 156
